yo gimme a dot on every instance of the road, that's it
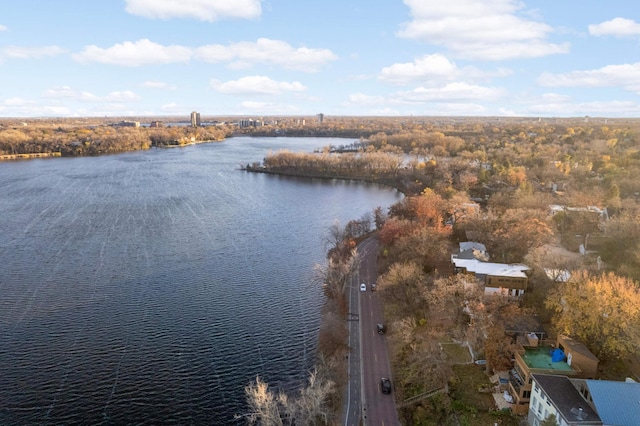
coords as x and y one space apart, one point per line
374 408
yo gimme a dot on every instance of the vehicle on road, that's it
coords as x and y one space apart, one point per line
363 287
385 385
373 287
380 328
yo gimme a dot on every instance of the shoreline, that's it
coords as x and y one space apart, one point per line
397 184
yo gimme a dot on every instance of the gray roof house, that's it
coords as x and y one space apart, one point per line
583 402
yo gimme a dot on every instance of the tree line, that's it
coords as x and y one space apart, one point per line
513 172
98 139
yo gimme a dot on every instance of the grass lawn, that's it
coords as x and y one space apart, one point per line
457 353
471 405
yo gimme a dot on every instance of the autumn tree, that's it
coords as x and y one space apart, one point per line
416 346
335 274
379 217
402 286
620 247
601 310
395 228
424 246
503 315
509 235
448 298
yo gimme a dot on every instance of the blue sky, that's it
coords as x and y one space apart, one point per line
568 58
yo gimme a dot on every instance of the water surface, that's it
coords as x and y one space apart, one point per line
151 287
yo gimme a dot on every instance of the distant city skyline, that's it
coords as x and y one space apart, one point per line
78 58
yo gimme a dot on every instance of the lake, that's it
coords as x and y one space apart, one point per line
152 287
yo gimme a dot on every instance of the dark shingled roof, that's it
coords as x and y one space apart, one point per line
566 397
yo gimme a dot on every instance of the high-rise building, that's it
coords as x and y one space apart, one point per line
320 118
195 119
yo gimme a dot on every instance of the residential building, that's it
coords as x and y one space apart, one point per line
250 123
472 250
564 357
554 395
128 123
497 278
195 119
584 402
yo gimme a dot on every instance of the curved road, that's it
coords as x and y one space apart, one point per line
369 360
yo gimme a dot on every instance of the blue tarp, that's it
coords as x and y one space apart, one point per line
557 355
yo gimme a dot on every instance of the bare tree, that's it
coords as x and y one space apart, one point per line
309 408
264 407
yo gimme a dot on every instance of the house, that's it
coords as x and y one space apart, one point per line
472 250
563 357
617 403
556 395
497 278
584 402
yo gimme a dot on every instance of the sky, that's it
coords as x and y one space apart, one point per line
256 58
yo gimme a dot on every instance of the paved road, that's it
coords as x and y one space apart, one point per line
378 409
368 358
353 405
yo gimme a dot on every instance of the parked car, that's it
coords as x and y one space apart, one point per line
385 385
380 328
363 287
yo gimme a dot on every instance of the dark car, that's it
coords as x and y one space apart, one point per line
385 384
373 287
380 328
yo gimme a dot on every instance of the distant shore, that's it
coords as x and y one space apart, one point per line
27 156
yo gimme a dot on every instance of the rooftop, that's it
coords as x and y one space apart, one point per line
567 399
540 358
489 268
618 403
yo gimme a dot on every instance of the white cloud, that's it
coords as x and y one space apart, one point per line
457 108
171 107
123 96
452 92
3 28
360 99
20 52
434 69
428 67
626 76
16 102
203 10
619 27
487 30
596 108
264 50
134 54
457 97
33 110
66 92
153 84
386 112
240 55
267 108
256 85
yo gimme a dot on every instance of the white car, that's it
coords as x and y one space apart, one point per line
363 287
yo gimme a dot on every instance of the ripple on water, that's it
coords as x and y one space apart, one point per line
150 288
